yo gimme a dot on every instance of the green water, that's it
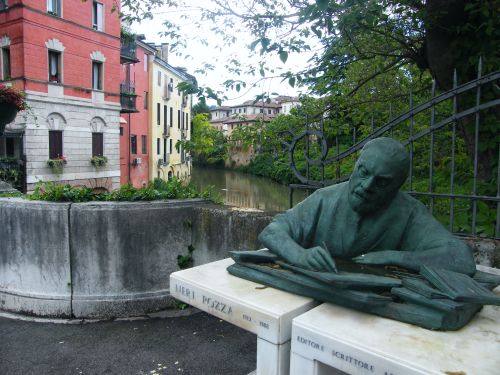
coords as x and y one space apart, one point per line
245 190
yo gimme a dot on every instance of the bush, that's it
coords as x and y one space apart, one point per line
156 190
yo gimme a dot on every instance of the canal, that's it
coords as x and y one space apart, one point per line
245 190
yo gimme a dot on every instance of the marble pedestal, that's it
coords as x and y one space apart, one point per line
265 311
334 340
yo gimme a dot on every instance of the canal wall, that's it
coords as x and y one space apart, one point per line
114 259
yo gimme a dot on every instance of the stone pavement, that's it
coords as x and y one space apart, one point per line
194 344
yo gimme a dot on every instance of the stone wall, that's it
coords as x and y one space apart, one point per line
111 259
77 119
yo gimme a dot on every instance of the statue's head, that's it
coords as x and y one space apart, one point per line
380 171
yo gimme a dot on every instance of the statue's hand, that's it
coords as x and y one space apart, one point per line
317 259
385 257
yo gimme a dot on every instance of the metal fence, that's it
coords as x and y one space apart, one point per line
454 144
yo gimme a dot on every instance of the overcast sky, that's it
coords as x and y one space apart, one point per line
196 54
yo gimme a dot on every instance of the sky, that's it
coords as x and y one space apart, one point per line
196 54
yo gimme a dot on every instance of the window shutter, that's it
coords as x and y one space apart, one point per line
55 144
97 144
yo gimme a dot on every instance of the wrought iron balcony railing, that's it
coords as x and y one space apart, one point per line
128 51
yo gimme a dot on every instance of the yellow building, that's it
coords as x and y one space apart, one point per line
170 119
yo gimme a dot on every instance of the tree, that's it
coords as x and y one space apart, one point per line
207 144
358 43
201 107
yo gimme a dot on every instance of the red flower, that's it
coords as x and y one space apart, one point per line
12 96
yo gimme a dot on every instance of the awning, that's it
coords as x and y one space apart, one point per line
122 120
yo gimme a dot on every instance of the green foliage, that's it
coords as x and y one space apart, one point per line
201 107
207 145
186 261
11 173
157 190
98 161
56 164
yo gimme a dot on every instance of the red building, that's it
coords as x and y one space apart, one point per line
65 54
134 127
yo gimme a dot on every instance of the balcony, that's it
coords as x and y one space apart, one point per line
166 131
128 50
128 97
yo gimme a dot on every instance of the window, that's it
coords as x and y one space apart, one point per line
165 111
146 99
171 116
3 4
97 16
144 140
121 130
178 118
158 146
55 144
170 145
165 150
145 63
158 113
187 121
55 66
261 110
159 78
268 111
97 75
10 147
182 122
133 144
6 74
54 7
97 144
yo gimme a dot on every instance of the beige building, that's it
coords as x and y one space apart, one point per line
170 119
226 119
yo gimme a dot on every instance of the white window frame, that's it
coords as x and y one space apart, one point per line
4 45
58 55
99 84
97 16
57 4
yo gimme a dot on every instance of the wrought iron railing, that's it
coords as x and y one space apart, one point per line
128 96
128 49
445 166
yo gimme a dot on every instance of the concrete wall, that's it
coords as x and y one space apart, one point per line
35 276
111 259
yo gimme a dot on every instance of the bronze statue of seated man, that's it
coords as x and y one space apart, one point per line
367 219
410 268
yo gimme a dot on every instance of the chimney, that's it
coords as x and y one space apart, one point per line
164 52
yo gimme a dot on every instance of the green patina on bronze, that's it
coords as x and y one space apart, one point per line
344 243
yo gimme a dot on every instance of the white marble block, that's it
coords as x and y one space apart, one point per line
331 338
265 311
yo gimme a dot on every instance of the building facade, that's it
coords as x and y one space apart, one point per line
65 54
170 119
228 118
135 149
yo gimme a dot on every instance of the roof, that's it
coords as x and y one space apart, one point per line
221 108
248 118
260 103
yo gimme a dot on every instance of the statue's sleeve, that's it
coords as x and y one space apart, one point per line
294 229
432 244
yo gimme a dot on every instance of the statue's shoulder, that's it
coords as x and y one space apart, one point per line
332 192
408 203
